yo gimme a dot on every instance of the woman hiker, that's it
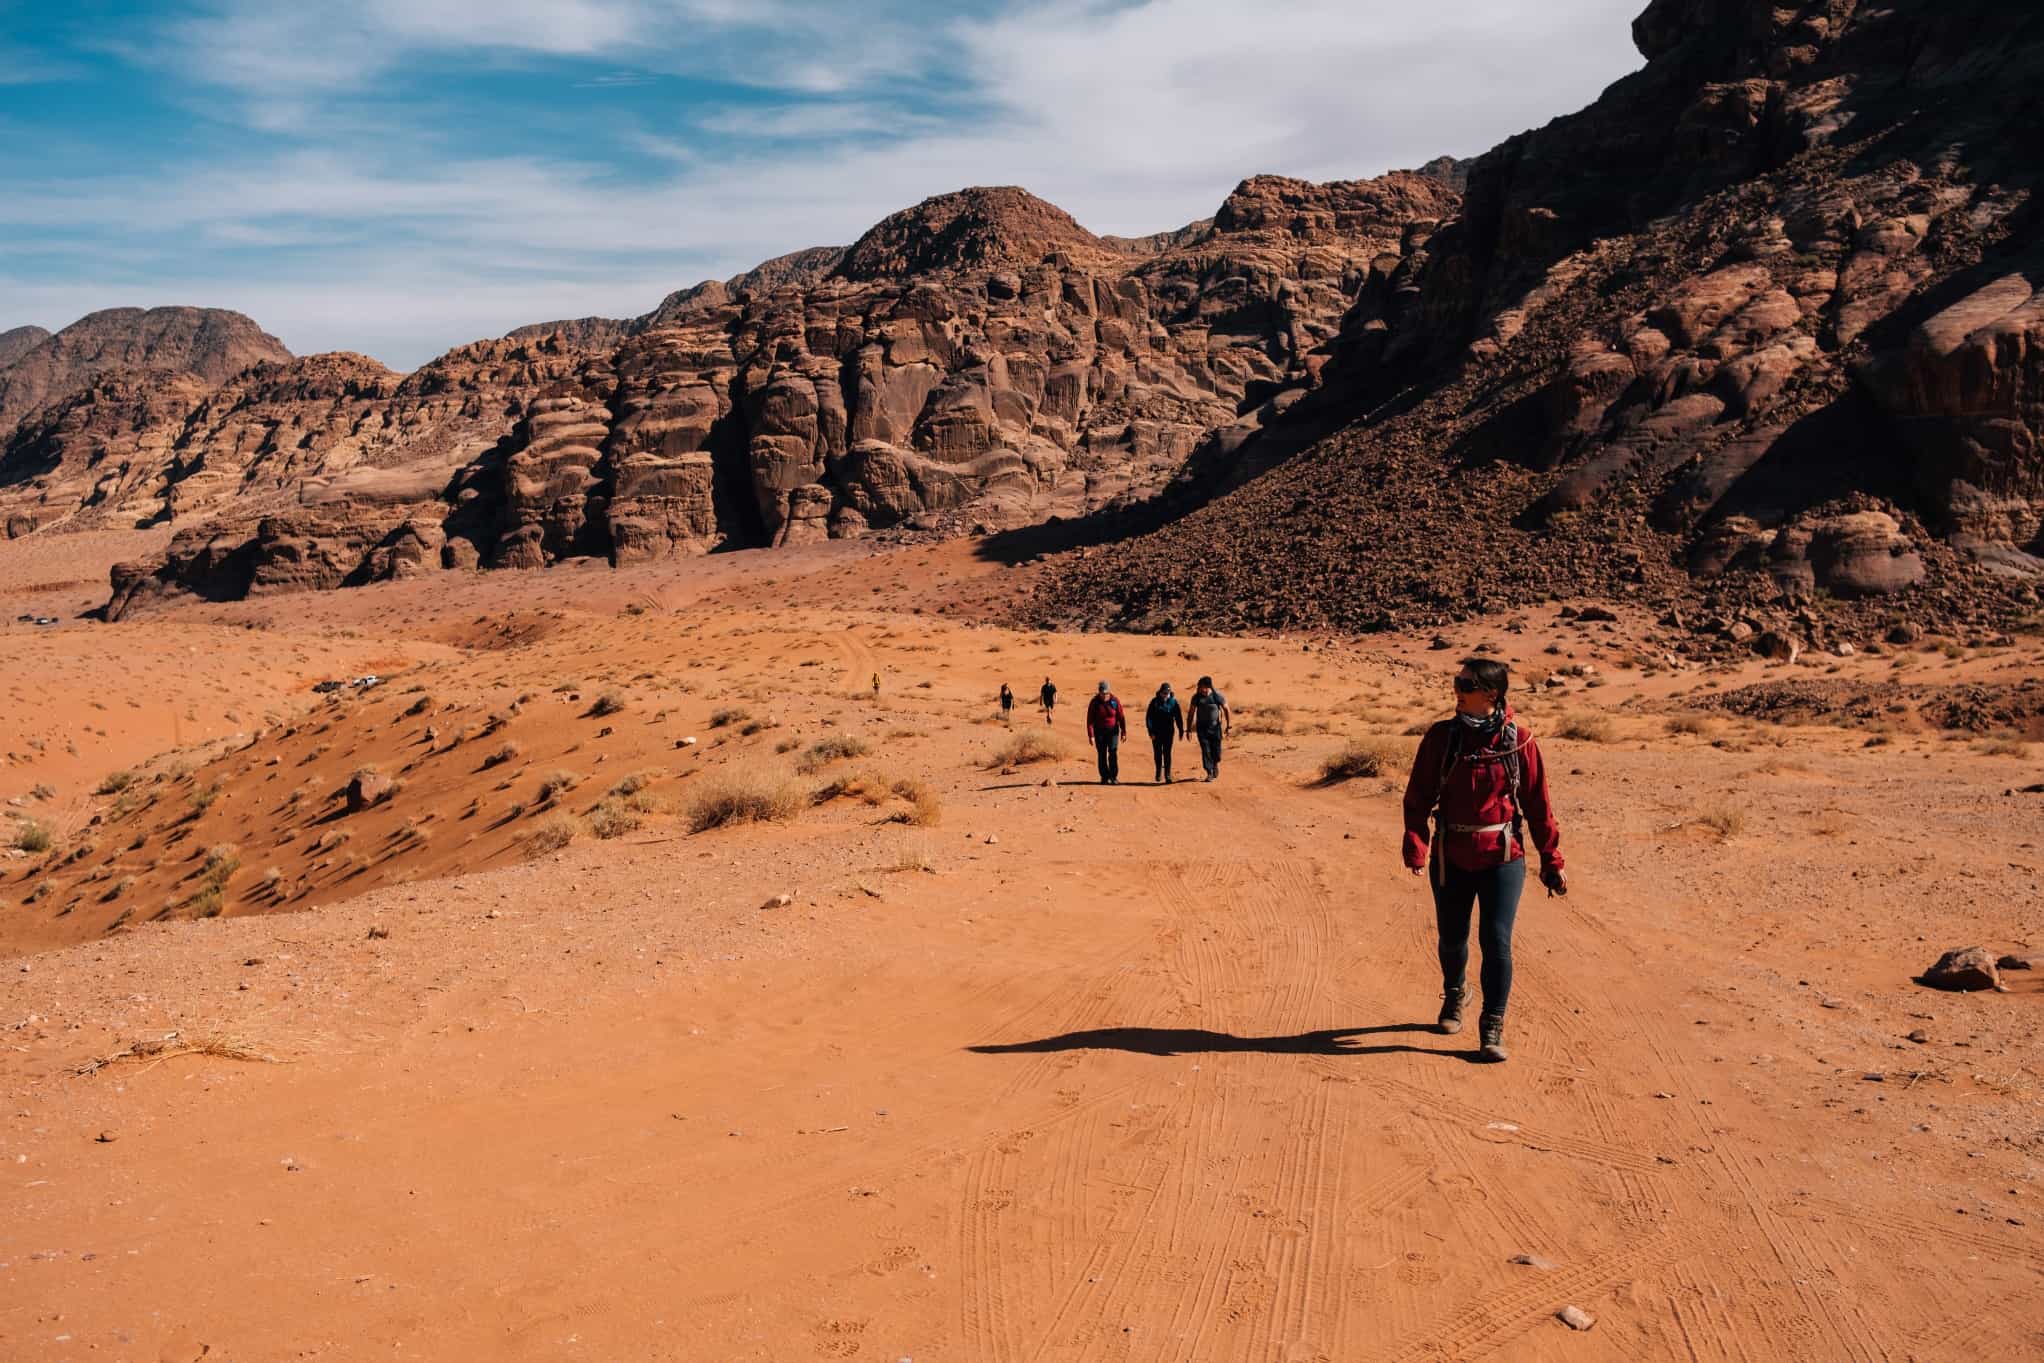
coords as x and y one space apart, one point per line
1165 719
1480 777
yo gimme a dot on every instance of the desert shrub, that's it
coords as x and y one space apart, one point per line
1726 820
924 806
834 748
914 856
1361 757
609 703
1688 724
634 783
209 902
33 837
1269 719
1030 745
508 753
557 783
612 819
721 718
2003 747
863 786
418 707
222 861
114 782
1586 728
203 798
272 878
117 889
787 745
551 835
744 798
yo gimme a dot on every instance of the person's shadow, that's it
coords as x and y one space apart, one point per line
1197 1041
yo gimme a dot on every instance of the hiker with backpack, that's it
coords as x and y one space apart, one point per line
1165 720
1210 720
1107 725
1479 777
1047 698
1007 703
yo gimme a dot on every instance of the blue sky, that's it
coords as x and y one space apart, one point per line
401 176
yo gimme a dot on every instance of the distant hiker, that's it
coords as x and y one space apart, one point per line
876 686
1480 777
1107 725
1165 720
1007 703
1048 698
1210 720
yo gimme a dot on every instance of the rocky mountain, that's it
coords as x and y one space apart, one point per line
18 342
978 360
1759 329
205 343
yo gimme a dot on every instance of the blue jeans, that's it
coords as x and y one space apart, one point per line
1495 889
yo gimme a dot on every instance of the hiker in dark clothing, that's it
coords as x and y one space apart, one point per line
1048 698
1107 725
1007 703
1210 720
1165 720
1479 775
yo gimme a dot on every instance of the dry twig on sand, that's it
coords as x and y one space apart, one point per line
171 1045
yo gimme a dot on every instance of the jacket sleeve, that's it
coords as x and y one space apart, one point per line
1092 708
1540 824
1420 790
1121 719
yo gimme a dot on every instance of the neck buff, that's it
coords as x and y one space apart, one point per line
1483 724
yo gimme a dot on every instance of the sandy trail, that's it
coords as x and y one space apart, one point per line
1145 1077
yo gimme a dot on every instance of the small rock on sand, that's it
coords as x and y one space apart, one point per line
1963 968
2015 963
1533 1261
1575 1317
779 901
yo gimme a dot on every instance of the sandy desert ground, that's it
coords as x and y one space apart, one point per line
1023 1067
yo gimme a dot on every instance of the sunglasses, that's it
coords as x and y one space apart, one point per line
1467 685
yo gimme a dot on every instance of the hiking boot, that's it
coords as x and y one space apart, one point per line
1492 1033
1451 1011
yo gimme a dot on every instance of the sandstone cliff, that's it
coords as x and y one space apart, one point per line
18 342
1762 323
978 360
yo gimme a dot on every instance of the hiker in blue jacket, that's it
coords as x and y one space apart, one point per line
1165 719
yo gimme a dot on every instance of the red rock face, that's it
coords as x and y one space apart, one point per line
1767 312
204 342
978 360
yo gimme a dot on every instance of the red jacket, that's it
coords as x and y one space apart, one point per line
1478 790
1104 715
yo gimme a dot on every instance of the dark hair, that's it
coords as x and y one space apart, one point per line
1206 681
1490 674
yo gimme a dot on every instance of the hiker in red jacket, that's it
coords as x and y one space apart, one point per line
1107 725
1479 775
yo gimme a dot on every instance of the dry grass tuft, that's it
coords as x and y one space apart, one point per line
508 753
114 782
552 834
612 819
914 856
835 748
1725 820
744 798
723 717
1695 725
1586 728
557 783
170 1045
33 837
609 703
2002 747
1361 757
924 808
1031 745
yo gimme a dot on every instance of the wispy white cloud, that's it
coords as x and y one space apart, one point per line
1134 117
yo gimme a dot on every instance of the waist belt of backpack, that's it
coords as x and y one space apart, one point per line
1476 827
